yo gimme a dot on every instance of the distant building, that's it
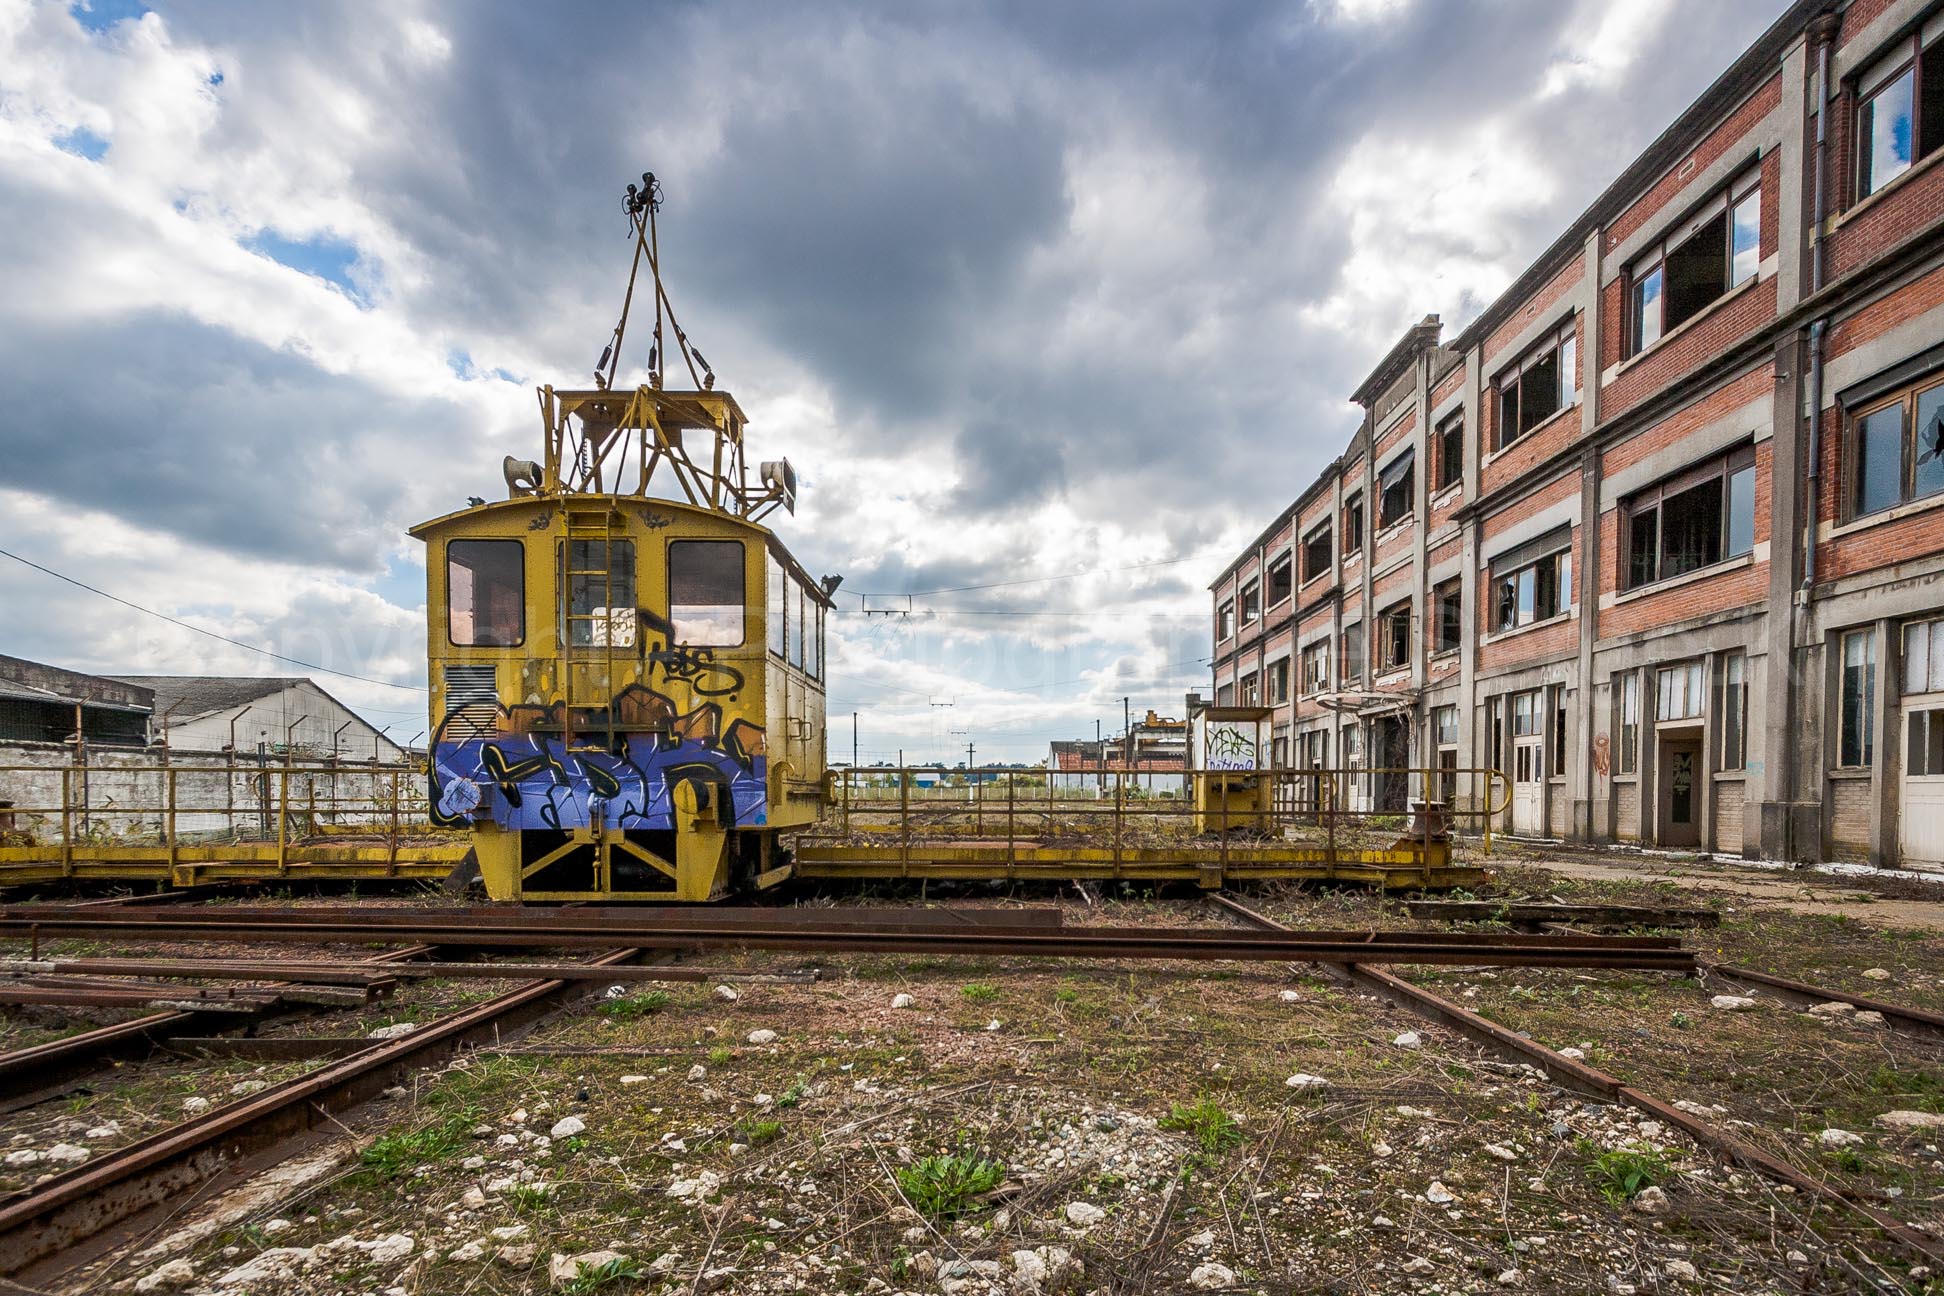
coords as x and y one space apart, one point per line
1151 757
216 712
42 704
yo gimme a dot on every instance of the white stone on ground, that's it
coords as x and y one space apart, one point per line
1650 1201
68 1153
727 993
176 1273
1084 1214
762 1036
634 1079
697 1072
1211 1277
195 1105
1903 1120
1437 1194
565 1269
1838 1138
906 1001
1681 1270
1833 1008
567 1127
1409 1040
393 1031
1732 1003
1877 974
1304 1080
1290 996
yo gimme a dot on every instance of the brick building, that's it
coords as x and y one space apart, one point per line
1660 534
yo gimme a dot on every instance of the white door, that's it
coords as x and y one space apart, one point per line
1921 838
1528 787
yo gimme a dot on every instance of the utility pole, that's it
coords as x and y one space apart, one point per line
853 740
1127 728
968 760
1100 760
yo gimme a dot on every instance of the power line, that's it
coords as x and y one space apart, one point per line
238 643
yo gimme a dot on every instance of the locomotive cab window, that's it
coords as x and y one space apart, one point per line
777 618
706 593
486 593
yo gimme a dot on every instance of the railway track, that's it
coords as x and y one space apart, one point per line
1576 1074
825 931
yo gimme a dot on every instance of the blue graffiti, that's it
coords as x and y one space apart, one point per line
529 781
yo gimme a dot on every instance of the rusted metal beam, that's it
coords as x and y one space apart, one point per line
1521 913
575 930
353 974
1915 1021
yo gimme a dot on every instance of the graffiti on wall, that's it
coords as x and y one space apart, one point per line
526 776
1227 746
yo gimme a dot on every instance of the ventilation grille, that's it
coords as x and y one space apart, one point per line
472 704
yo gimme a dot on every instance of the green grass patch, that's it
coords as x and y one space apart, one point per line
755 1133
980 991
721 1055
636 1005
591 1278
948 1183
391 1155
1623 1173
1923 1090
1214 1129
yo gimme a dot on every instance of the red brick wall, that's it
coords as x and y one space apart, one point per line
1395 543
1518 459
1565 488
1725 138
1917 536
1700 342
1536 306
1448 386
1736 588
1397 585
1557 640
1757 382
1913 204
1445 552
1878 318
1405 426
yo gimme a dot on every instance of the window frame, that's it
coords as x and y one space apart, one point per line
1652 499
1551 574
1353 524
1326 535
1692 676
1451 452
1356 650
1733 711
1448 598
1397 480
1287 566
1907 399
1723 202
1931 632
520 567
1907 54
1279 672
1864 746
1250 600
1561 343
1627 760
1395 640
742 586
1225 621
1315 676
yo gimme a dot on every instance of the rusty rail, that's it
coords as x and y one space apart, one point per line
1570 1071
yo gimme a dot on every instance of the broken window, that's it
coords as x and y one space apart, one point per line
705 592
1445 721
1900 109
1856 739
1316 553
486 593
1251 696
1533 582
1537 387
1225 695
1353 526
1718 247
1316 667
1279 681
1897 448
1251 603
1451 617
1629 723
1694 520
1225 621
1451 451
1394 624
1353 653
1280 584
1397 484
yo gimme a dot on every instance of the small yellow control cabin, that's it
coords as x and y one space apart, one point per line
627 689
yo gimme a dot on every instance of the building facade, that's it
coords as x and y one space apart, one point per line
1660 534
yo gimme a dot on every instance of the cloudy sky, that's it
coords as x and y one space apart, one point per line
1057 302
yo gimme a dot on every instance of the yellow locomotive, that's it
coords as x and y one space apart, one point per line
627 683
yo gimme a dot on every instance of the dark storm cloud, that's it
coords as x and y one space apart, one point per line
176 426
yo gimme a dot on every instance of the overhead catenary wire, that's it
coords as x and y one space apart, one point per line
177 621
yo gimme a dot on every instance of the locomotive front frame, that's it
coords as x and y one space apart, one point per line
627 696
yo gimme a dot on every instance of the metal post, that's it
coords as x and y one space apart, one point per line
169 823
853 740
283 818
67 822
904 818
391 845
1012 851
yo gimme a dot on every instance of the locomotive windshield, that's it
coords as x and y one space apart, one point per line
486 593
705 592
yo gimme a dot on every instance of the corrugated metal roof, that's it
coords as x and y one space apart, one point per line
184 697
